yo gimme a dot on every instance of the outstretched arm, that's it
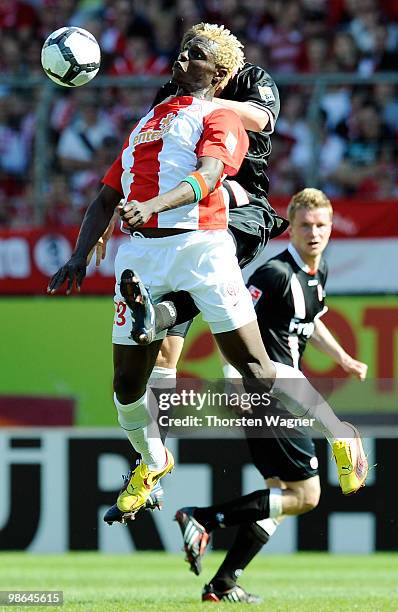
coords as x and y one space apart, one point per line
136 213
253 117
95 222
327 343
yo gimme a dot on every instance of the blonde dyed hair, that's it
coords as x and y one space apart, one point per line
309 199
228 52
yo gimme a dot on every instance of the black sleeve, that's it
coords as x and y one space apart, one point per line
168 89
268 283
253 84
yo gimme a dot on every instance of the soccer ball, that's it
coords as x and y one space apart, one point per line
71 57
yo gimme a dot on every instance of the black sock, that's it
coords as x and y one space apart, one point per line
165 316
246 509
248 542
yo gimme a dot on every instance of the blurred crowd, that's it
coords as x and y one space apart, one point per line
356 133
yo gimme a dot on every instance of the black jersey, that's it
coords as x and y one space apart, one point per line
253 84
288 298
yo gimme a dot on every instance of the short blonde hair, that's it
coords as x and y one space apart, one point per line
310 199
229 51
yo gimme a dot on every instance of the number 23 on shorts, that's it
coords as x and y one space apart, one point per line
120 314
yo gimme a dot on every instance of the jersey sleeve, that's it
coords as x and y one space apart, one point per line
113 176
224 138
267 284
253 84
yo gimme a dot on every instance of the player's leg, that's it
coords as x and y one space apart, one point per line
170 351
162 380
132 368
133 365
163 376
196 524
293 458
244 350
251 537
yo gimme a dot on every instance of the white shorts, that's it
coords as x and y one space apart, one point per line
201 262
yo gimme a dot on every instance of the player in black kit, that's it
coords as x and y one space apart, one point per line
289 297
253 95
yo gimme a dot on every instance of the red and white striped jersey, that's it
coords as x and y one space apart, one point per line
164 147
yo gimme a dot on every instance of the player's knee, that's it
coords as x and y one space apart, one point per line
308 504
127 388
166 361
309 498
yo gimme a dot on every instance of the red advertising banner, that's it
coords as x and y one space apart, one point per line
356 219
28 258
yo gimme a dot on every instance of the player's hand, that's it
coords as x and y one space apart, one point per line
73 272
136 213
100 247
354 367
100 252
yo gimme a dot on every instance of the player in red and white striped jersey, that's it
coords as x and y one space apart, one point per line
170 172
165 146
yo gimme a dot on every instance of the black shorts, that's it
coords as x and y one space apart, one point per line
252 226
180 330
279 452
289 459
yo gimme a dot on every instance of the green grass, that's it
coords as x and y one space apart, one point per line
159 581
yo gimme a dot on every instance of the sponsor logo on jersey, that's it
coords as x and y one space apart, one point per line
321 293
266 93
232 288
256 293
301 328
152 135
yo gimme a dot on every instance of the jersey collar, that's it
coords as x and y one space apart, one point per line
301 264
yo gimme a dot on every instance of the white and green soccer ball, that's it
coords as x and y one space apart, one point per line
71 57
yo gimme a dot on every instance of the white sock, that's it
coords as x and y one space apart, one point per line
300 398
230 372
269 525
142 432
163 378
275 502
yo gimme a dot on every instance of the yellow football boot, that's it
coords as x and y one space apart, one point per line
140 485
352 465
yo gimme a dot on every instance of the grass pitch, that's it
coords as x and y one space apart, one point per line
158 581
